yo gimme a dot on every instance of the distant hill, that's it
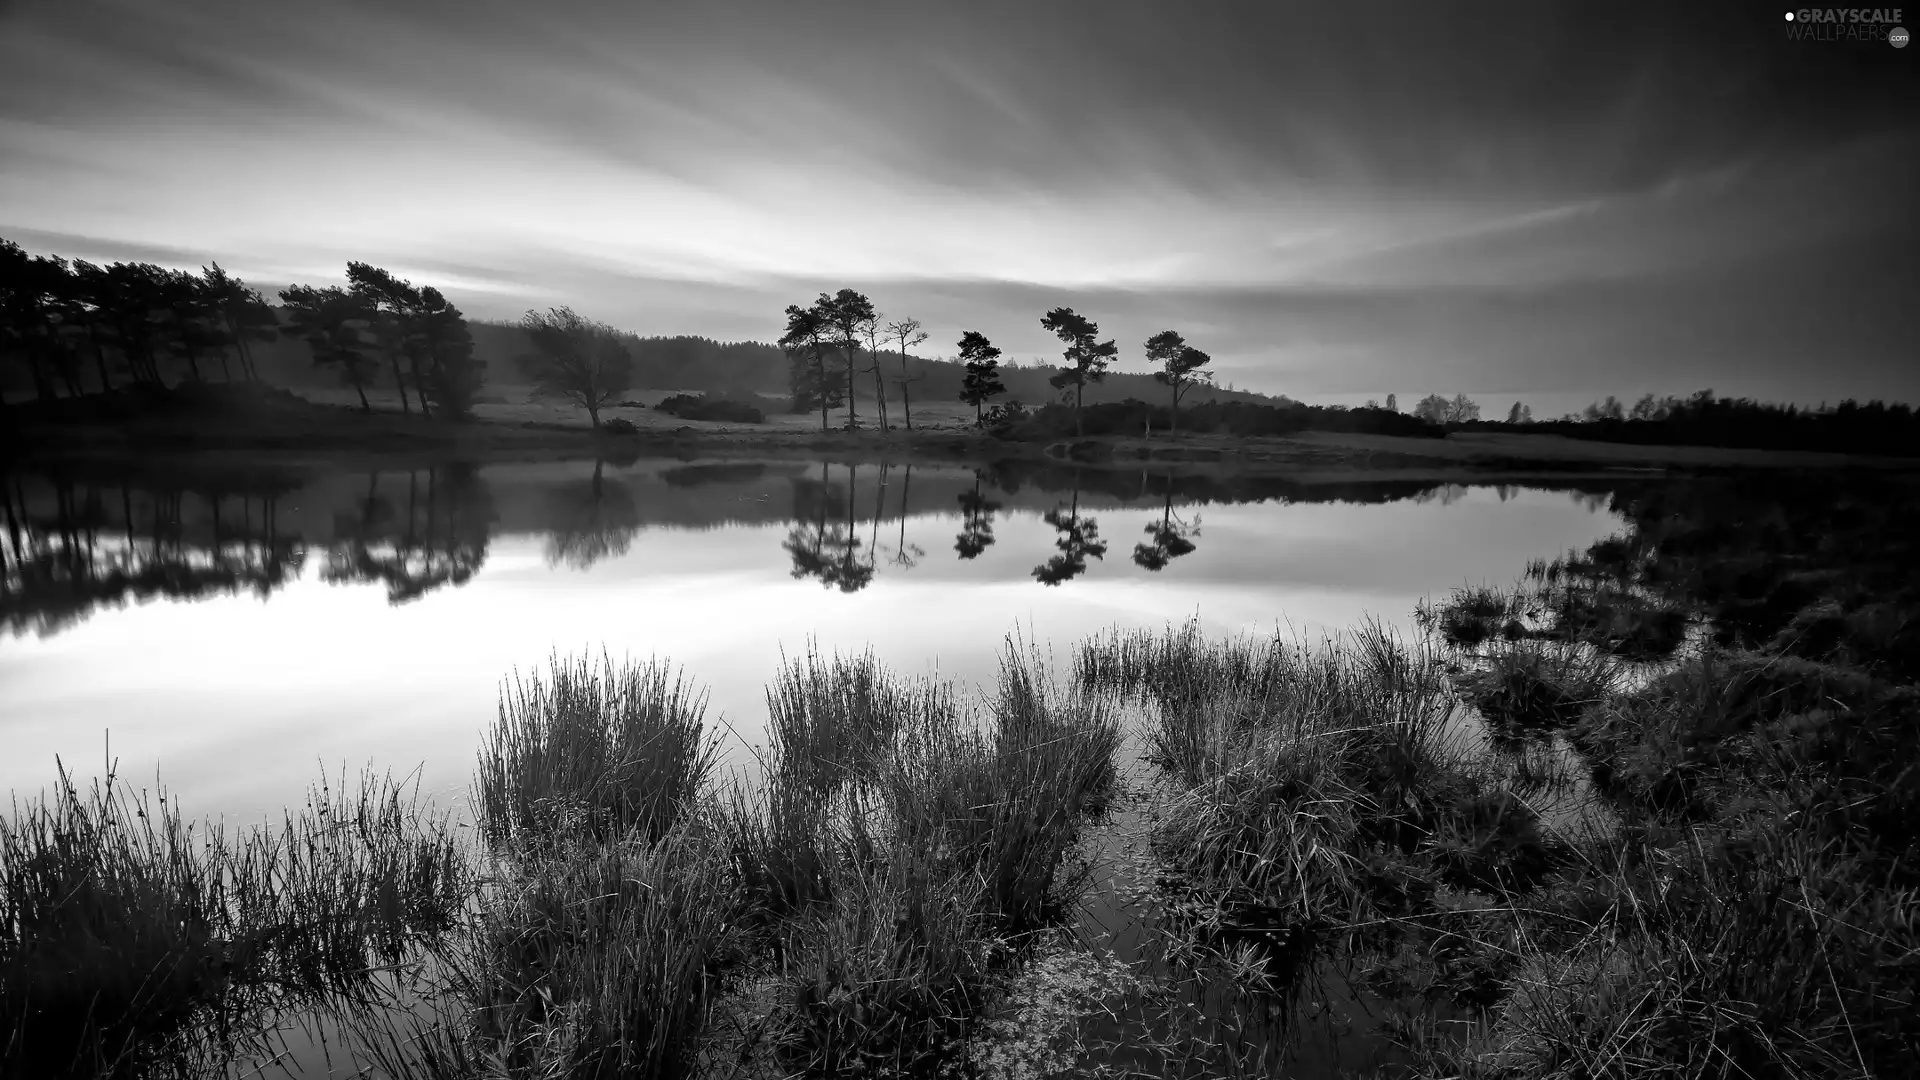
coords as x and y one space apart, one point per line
697 363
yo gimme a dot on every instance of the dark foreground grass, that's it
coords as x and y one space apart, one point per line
128 934
1747 906
852 909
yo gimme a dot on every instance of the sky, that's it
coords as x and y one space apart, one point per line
1549 202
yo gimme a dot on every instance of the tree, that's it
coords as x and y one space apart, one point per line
908 333
1393 403
439 339
1087 359
1647 408
847 314
244 313
805 344
329 321
1519 414
1180 365
32 288
1432 409
390 302
576 360
871 332
982 380
1435 409
193 321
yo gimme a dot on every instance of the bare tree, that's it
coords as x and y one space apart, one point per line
576 359
908 333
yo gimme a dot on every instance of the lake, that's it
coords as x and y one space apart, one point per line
237 634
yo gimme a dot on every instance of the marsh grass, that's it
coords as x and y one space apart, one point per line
593 749
1540 686
132 940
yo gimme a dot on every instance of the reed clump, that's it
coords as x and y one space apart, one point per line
593 749
128 934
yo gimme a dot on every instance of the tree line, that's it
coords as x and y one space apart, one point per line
824 340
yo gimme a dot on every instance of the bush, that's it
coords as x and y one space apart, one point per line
618 425
700 407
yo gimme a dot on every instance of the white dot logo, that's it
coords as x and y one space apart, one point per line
1898 37
1789 16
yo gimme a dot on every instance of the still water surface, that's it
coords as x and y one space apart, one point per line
238 635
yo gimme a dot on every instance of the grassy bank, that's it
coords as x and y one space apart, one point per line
245 421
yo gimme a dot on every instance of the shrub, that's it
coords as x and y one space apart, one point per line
698 407
618 425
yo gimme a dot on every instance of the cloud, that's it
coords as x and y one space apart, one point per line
1339 196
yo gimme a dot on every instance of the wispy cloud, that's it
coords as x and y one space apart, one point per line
1347 196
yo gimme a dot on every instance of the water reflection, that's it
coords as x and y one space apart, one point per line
591 520
1078 541
1168 539
441 540
828 550
72 542
976 518
72 547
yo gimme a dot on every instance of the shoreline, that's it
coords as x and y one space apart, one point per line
290 432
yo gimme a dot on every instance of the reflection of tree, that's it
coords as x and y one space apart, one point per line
823 549
976 515
591 521
1168 539
905 555
442 540
1078 541
93 545
1445 494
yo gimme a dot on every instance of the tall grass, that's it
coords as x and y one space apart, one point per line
593 750
128 933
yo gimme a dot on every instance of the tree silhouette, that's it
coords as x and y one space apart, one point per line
439 336
908 333
1087 359
1393 403
1168 538
1180 365
388 302
846 315
1078 541
576 360
871 331
976 517
591 521
805 343
982 380
243 312
329 321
